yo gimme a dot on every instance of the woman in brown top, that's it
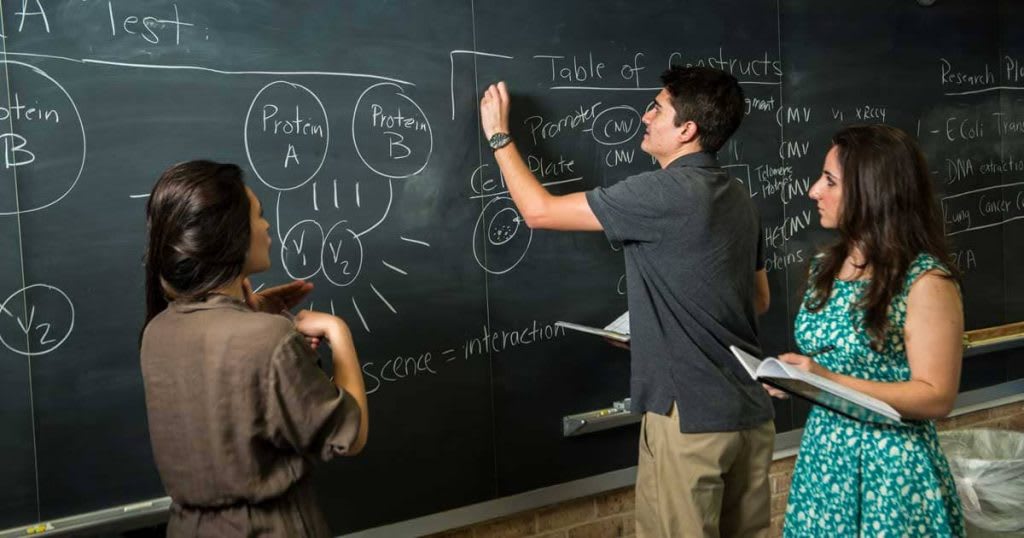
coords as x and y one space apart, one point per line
237 406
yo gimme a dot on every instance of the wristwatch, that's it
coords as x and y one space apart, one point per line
499 140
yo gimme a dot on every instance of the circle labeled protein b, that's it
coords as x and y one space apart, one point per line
391 134
42 141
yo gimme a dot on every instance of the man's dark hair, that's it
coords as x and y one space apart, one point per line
711 98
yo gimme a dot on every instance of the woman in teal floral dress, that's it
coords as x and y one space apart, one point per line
882 315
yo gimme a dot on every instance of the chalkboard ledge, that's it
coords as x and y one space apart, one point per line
786 444
989 339
107 521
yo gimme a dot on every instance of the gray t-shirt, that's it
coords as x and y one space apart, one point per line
691 239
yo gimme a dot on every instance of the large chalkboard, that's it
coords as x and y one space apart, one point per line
356 123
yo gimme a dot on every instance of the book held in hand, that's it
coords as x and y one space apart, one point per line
818 390
616 330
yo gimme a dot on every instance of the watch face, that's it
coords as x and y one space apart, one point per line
499 140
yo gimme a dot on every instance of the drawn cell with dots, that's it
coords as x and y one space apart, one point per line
500 237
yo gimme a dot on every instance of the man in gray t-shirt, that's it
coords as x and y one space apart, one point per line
696 283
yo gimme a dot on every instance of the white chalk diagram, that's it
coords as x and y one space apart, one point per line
283 171
501 237
45 171
43 143
616 125
501 230
287 139
45 325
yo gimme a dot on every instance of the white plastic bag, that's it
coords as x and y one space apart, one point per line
988 466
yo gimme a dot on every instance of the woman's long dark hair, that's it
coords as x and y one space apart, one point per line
890 211
198 222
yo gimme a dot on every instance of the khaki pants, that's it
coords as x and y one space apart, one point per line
702 485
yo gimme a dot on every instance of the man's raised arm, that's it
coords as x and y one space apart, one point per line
539 208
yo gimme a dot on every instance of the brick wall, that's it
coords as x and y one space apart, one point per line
611 514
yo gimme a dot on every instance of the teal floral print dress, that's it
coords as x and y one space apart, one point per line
860 479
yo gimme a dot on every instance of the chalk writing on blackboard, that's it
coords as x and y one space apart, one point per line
36 320
287 135
45 171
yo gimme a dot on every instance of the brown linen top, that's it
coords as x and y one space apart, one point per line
237 408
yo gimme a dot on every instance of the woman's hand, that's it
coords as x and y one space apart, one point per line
804 363
274 300
319 325
494 108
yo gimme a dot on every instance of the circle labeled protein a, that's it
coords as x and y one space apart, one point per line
287 135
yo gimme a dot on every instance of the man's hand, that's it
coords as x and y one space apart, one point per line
274 300
494 109
617 343
774 392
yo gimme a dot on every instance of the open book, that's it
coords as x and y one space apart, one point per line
817 389
616 330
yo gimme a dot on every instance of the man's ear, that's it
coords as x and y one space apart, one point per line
688 132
